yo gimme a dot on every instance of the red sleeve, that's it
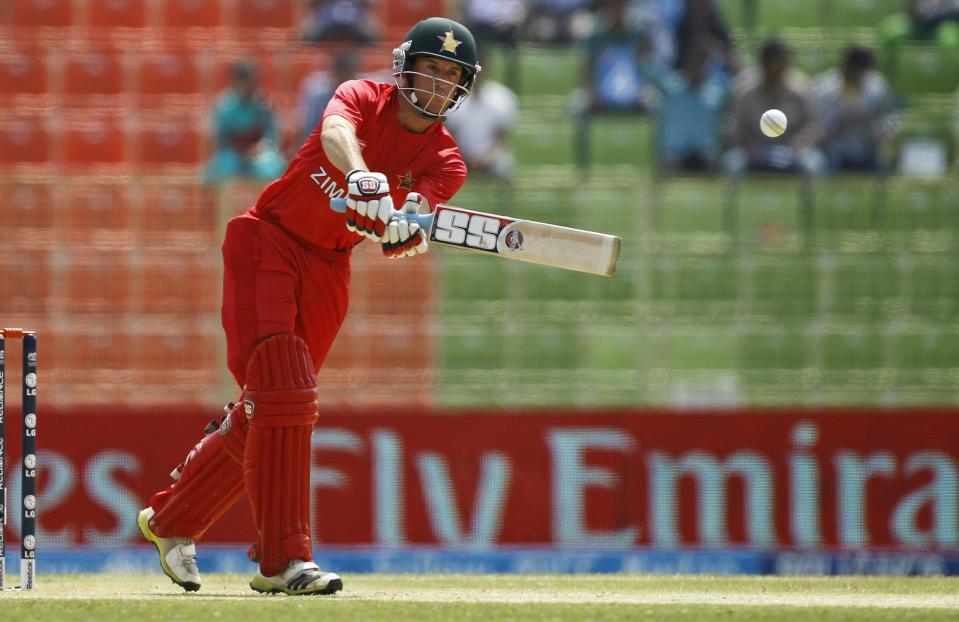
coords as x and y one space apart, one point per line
445 177
354 100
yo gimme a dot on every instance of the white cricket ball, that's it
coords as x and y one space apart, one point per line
773 123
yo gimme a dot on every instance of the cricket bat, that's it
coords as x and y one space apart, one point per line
517 239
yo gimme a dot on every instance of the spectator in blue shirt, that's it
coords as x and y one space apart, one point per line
244 132
690 112
612 78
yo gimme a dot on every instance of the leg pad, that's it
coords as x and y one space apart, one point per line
280 404
210 482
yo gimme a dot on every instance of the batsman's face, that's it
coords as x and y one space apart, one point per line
435 81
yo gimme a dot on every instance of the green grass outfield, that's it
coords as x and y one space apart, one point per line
449 598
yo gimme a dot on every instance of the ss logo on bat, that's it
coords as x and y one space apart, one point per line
469 230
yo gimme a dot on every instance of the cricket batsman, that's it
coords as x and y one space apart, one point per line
286 287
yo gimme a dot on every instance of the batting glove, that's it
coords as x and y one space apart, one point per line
405 238
369 205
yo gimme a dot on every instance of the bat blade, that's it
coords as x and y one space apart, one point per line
525 240
561 247
520 240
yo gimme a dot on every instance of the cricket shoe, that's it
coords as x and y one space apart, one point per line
177 555
299 579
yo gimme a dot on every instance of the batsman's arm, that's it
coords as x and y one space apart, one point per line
341 145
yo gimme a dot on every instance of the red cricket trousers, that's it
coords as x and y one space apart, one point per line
273 283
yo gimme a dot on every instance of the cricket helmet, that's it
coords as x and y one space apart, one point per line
441 38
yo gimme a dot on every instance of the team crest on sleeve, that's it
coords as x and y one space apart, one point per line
406 181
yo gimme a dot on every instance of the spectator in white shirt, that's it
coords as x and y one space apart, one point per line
853 113
481 127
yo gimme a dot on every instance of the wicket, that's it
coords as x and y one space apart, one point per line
28 474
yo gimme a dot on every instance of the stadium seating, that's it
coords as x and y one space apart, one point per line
170 76
690 214
43 13
255 15
766 290
773 15
859 13
927 347
548 71
90 282
26 288
25 141
24 78
185 284
95 214
190 15
173 213
113 14
783 287
92 77
861 286
30 205
924 69
619 139
775 347
171 142
95 143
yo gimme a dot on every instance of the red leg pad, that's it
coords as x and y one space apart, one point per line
280 402
210 482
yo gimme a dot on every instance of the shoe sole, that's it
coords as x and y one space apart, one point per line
335 585
143 522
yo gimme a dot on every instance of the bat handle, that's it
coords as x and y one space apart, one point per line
424 220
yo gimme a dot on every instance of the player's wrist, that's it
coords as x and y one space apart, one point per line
355 171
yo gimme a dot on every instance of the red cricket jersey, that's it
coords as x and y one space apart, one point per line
428 163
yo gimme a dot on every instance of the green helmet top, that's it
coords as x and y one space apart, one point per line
443 38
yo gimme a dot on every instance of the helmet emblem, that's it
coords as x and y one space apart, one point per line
449 42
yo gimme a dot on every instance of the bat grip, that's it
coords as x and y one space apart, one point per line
424 220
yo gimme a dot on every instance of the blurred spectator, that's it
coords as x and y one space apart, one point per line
341 20
699 22
776 85
612 81
494 21
318 88
672 12
497 23
853 113
481 127
559 22
611 76
690 111
922 20
244 132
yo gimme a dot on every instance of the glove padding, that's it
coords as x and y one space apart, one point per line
405 238
369 205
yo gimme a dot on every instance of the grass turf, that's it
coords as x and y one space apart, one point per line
106 598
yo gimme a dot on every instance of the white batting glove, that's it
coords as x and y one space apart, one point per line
369 205
405 238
